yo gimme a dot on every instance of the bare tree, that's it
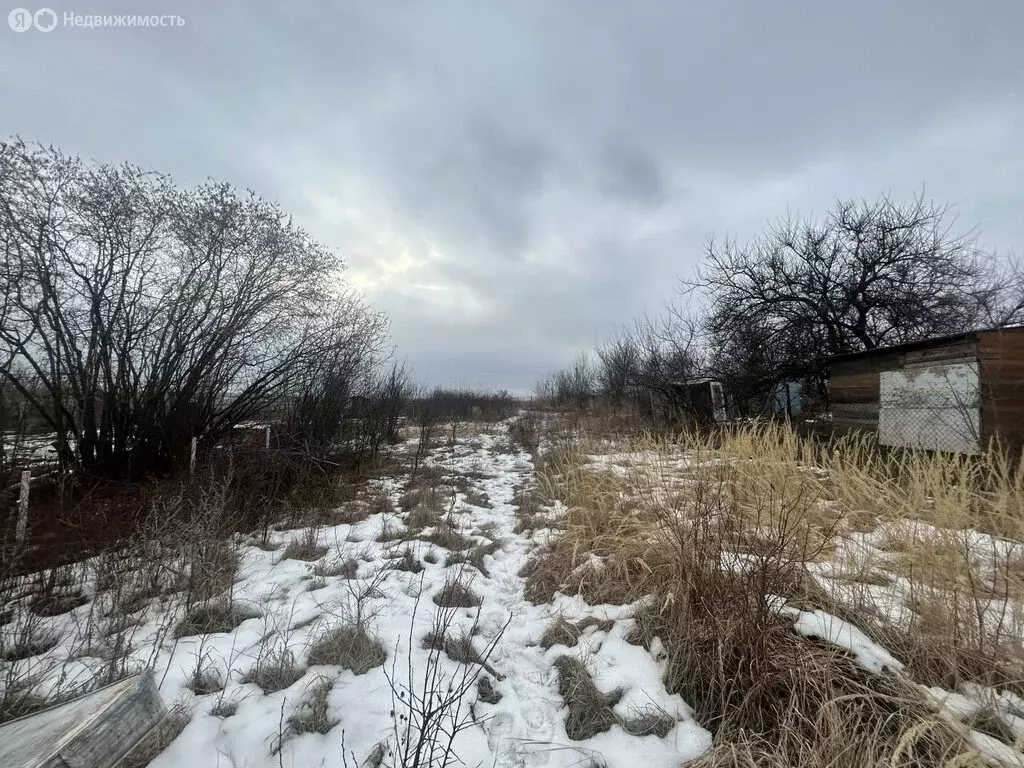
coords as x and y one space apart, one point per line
150 315
870 274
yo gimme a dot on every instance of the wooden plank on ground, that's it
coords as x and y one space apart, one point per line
92 731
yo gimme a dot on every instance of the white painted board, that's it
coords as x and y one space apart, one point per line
933 406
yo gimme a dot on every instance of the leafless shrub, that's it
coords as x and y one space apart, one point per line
525 430
428 702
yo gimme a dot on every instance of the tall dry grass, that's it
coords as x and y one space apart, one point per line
709 529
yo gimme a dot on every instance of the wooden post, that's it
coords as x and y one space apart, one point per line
266 442
192 457
22 528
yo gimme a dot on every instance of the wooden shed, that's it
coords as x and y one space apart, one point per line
951 393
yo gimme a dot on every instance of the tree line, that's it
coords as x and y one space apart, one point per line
868 274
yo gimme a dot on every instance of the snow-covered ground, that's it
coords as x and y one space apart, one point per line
292 605
518 717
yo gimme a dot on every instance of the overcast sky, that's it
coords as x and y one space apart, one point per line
511 180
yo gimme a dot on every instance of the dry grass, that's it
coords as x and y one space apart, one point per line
530 513
407 562
475 556
477 498
224 709
456 594
563 632
212 570
313 715
446 536
346 568
57 603
275 671
350 647
307 547
590 711
157 740
212 618
708 527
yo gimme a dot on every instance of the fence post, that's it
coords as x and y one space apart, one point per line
22 528
266 441
192 457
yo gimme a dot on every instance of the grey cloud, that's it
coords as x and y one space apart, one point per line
564 160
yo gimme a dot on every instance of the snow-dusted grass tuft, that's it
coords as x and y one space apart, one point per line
486 692
456 594
474 556
589 711
213 617
715 538
444 535
407 561
57 603
350 647
563 632
307 547
276 671
313 715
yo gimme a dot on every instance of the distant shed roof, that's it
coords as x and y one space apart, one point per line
934 341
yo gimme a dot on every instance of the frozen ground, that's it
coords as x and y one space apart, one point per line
292 606
517 718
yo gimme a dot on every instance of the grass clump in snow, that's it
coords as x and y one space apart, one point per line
477 498
458 648
563 632
307 547
407 562
313 715
275 671
57 603
590 711
211 618
456 594
530 514
486 692
769 696
350 647
475 556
